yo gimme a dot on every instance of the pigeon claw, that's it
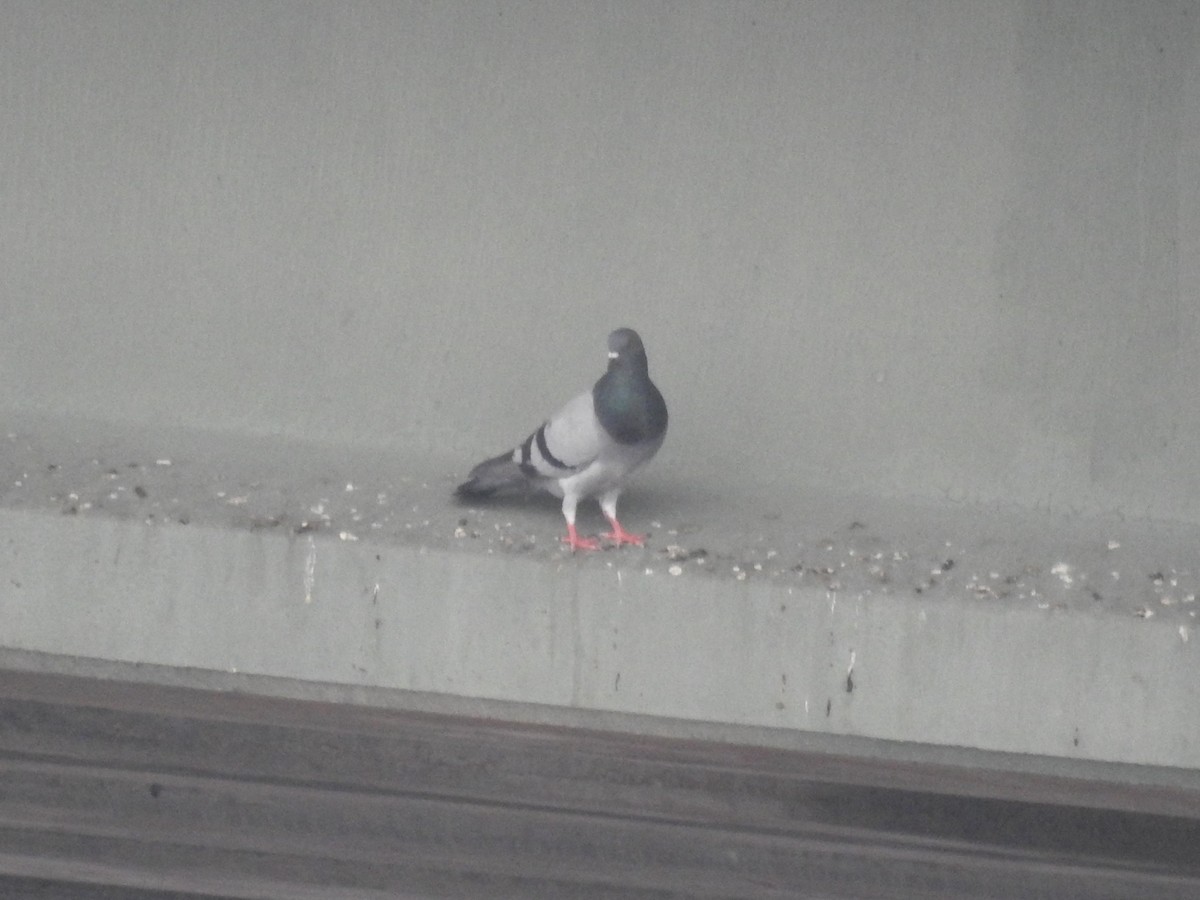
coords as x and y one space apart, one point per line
575 542
620 536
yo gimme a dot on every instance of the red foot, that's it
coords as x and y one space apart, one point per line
620 536
575 542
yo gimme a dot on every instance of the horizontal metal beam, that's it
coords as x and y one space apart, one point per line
170 791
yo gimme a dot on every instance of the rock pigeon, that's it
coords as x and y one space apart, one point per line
590 447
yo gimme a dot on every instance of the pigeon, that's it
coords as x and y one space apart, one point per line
590 447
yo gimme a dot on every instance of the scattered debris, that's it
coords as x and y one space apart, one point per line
682 554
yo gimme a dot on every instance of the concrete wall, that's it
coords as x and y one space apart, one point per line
934 249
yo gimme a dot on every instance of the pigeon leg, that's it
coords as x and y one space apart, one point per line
608 504
573 540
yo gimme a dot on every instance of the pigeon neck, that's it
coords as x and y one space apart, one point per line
627 403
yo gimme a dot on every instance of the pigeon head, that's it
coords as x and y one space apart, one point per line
625 348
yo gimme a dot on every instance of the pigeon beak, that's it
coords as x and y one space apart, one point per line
613 354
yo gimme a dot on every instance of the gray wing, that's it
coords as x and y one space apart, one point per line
566 443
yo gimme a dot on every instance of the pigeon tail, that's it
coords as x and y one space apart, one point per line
496 474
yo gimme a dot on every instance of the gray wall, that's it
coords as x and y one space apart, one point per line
914 248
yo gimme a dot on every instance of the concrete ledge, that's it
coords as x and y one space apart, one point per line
789 615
